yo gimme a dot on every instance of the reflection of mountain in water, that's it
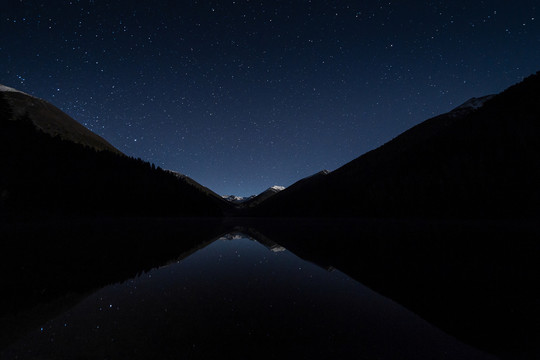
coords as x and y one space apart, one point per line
46 267
233 298
476 281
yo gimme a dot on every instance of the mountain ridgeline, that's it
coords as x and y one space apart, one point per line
49 119
474 279
481 159
53 165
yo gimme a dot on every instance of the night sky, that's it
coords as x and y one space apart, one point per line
242 95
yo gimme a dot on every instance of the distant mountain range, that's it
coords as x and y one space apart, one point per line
237 199
253 200
51 164
480 159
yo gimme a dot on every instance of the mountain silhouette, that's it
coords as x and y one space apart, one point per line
51 120
51 164
481 159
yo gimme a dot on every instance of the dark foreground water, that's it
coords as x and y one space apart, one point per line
78 288
236 297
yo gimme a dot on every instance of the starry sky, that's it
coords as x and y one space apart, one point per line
242 95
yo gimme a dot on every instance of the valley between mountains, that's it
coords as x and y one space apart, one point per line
479 160
442 219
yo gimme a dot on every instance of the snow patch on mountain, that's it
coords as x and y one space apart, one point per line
474 103
7 88
237 199
256 198
277 248
4 88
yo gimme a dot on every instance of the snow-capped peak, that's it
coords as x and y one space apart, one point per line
7 88
277 188
474 103
237 199
232 197
4 88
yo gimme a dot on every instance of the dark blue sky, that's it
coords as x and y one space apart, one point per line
242 95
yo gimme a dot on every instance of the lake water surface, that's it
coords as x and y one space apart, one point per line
238 298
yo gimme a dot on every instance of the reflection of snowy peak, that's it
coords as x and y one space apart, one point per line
277 248
234 236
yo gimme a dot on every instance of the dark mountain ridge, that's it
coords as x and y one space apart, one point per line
51 120
473 161
71 171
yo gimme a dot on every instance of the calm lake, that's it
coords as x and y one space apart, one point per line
235 297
